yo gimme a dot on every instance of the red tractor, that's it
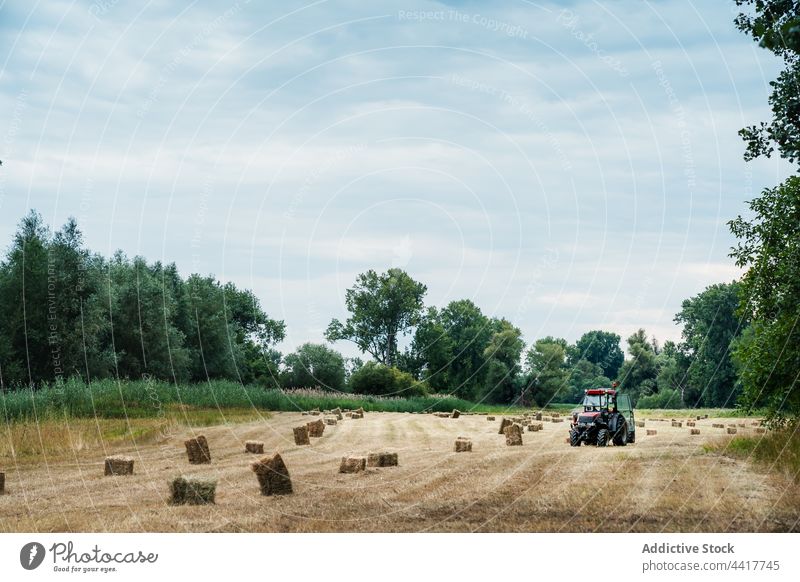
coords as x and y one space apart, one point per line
607 416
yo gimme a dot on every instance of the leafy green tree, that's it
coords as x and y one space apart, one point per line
382 308
601 348
638 374
25 335
768 357
379 379
502 355
585 375
673 366
775 25
145 336
667 398
315 365
547 376
431 352
710 324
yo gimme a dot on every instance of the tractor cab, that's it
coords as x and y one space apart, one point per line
599 400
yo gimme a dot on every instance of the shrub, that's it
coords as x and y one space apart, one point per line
374 378
666 398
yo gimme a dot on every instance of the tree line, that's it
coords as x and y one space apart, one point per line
68 312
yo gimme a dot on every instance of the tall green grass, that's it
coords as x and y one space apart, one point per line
144 399
778 449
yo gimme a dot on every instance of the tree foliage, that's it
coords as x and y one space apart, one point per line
382 309
601 348
767 355
710 325
379 379
314 365
65 312
546 373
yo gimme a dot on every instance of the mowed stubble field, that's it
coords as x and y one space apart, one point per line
662 483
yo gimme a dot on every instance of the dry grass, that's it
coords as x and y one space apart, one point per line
668 482
55 437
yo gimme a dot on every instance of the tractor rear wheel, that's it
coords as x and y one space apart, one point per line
574 438
602 437
621 436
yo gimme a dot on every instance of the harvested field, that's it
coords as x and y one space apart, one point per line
668 482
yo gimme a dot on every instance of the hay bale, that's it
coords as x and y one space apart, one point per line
463 445
652 432
758 431
316 428
504 423
331 421
304 413
273 476
197 450
456 413
256 447
2 483
537 416
698 417
545 419
356 415
360 410
382 460
556 415
639 423
337 412
490 418
352 464
691 423
314 412
193 490
676 424
118 466
731 430
513 434
741 425
557 419
694 431
301 435
717 425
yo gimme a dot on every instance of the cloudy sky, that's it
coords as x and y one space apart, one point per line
569 166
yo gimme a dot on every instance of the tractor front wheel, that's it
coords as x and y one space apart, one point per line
602 437
574 438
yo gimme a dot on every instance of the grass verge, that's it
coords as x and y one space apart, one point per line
777 450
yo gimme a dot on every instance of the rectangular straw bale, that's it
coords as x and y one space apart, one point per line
197 450
255 447
316 428
513 435
382 460
193 490
505 422
118 466
352 464
463 445
2 483
490 418
731 430
456 413
651 432
301 435
694 431
273 476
